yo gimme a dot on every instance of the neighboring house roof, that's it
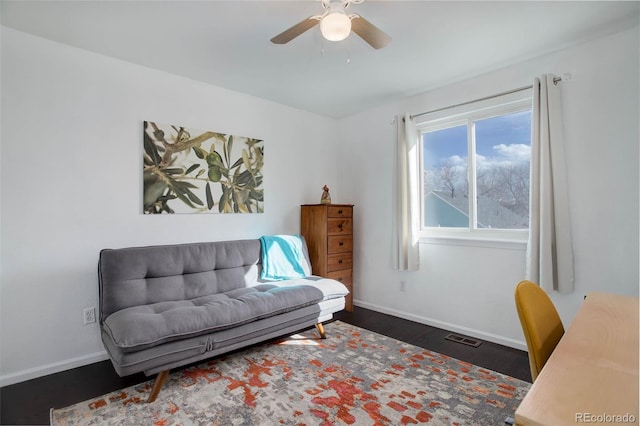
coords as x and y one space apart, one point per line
442 210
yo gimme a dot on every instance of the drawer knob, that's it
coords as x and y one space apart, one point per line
339 211
341 243
340 261
341 225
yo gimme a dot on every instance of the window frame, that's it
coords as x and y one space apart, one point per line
468 115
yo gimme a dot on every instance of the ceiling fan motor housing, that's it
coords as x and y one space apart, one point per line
335 25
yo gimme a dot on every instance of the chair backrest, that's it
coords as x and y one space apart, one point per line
541 324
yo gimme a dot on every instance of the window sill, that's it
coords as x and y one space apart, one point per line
476 241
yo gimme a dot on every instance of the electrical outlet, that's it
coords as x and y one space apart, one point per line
89 315
403 286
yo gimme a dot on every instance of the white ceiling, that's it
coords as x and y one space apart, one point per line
226 43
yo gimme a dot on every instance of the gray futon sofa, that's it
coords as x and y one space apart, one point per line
163 307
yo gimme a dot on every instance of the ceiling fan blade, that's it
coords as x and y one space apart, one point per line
369 32
287 35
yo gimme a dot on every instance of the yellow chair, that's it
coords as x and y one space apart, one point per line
540 322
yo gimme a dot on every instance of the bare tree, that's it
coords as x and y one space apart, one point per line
508 185
490 182
448 177
517 188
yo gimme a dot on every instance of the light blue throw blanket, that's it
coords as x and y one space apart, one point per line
283 258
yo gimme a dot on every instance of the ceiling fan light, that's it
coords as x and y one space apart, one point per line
335 26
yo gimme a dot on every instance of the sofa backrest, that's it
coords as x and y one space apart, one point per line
142 275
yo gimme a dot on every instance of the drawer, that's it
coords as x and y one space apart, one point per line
343 276
340 243
339 211
339 226
338 262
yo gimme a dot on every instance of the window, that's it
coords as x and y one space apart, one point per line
475 172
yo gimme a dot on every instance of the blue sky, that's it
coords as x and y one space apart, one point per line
499 139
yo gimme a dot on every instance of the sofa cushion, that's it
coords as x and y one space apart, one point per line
174 354
144 275
140 327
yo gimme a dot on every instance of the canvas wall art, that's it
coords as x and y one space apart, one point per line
195 171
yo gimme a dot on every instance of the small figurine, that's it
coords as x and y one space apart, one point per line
326 198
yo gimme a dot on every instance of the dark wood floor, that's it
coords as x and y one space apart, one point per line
29 402
503 359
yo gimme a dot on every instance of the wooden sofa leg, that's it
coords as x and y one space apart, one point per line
157 385
320 328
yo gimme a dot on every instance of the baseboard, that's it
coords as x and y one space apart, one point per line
56 367
489 337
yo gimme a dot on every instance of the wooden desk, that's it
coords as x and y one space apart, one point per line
593 371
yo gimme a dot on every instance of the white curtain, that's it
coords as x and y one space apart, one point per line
406 227
549 249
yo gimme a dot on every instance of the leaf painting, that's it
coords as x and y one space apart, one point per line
194 171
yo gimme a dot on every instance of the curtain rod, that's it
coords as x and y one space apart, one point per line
508 92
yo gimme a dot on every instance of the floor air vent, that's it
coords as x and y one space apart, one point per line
469 341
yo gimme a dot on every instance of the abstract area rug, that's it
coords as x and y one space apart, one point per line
353 377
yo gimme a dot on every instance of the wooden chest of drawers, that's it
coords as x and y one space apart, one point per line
328 230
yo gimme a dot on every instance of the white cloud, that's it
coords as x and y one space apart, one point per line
513 154
457 161
516 152
503 155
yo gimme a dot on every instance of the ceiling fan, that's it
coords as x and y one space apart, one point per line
336 25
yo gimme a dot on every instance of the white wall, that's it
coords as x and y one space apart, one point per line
469 288
71 184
